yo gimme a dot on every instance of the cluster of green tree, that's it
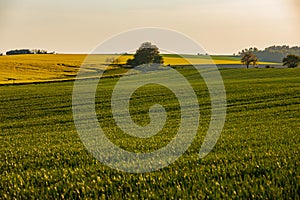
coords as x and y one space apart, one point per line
19 51
147 53
273 53
291 61
249 56
27 51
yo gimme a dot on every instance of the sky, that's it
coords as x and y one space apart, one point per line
79 26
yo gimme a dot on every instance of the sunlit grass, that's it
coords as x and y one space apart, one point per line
256 157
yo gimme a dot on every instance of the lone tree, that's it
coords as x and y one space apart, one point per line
249 57
146 54
291 61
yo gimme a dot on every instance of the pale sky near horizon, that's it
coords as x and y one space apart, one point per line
78 26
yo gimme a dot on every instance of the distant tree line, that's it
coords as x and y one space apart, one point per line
19 51
273 53
27 51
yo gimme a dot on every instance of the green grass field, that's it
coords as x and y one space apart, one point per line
256 157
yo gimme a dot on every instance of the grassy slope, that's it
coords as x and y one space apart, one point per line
41 68
257 155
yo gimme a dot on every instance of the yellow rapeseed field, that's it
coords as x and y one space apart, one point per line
51 67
